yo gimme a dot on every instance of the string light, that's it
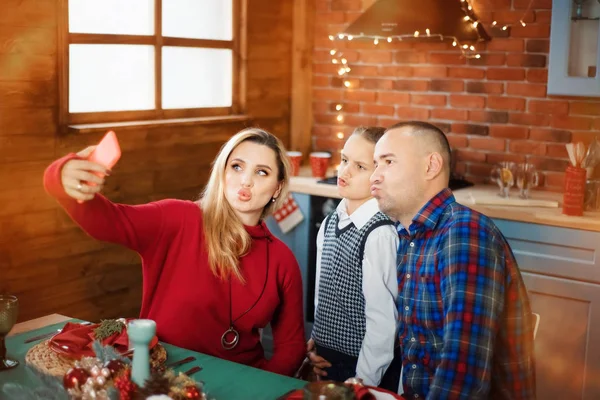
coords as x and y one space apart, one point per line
521 20
467 51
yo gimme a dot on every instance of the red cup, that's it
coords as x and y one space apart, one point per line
296 159
319 161
574 191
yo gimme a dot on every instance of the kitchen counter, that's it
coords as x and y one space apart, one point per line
539 215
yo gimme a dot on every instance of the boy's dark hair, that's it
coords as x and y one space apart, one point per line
371 133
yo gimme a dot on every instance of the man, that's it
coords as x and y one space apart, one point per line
465 324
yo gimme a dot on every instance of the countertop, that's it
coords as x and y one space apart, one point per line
539 215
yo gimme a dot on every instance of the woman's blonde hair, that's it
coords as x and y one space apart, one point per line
226 238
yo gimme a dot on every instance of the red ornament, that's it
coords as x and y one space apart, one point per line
75 377
114 366
192 392
125 386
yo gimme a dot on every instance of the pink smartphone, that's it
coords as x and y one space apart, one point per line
108 152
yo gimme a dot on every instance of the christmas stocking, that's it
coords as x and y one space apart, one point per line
288 215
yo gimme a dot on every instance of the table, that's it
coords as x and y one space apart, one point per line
223 380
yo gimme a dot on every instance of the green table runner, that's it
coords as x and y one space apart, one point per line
223 380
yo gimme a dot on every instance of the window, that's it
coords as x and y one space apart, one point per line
149 59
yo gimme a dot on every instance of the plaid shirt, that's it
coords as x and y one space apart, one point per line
465 325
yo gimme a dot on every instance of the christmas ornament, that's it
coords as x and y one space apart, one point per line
124 385
100 380
114 366
192 392
95 371
75 377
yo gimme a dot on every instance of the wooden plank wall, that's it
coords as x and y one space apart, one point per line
44 258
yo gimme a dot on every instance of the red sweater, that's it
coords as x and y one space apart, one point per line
189 304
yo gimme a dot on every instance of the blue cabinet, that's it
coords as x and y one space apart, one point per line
297 241
561 269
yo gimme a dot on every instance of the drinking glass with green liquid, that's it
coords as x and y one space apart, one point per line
9 309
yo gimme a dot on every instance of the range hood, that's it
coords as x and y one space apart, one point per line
387 18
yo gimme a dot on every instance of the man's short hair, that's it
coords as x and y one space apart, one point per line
431 133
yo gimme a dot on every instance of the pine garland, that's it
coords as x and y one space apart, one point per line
107 328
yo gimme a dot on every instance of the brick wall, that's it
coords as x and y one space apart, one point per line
494 108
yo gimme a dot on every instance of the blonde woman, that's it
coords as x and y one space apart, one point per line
213 273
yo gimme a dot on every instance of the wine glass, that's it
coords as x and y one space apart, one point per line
504 175
9 309
527 178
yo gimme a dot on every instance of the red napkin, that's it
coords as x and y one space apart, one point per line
75 341
361 392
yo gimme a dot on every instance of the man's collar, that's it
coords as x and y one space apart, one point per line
431 212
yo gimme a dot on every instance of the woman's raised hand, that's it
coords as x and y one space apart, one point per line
82 179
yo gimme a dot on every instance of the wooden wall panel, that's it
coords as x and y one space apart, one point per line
269 65
45 259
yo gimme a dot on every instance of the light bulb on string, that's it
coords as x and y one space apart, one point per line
340 118
340 135
347 83
338 107
467 51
